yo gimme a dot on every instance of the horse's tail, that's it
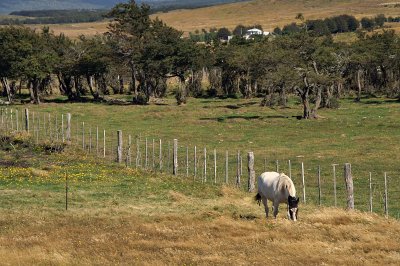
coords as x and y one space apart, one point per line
258 198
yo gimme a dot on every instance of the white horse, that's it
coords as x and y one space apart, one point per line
278 188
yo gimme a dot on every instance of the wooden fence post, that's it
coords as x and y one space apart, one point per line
319 186
17 120
277 166
252 173
290 169
119 148
386 197
175 157
68 133
238 169
370 192
226 167
303 182
137 152
349 186
11 119
27 120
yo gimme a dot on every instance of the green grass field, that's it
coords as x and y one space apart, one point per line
364 134
119 214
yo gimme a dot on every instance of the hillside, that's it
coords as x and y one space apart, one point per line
7 6
268 13
118 215
271 13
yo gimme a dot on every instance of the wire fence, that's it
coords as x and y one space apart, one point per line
323 183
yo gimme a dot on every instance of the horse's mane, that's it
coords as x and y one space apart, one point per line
285 183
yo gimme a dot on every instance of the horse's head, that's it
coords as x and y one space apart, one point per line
293 204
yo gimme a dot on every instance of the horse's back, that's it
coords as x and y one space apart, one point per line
266 184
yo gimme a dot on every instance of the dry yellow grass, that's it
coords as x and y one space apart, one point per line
268 13
230 230
74 30
271 13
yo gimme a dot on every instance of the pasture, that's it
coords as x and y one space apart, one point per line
268 13
127 215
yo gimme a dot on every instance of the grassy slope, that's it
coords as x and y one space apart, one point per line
365 134
117 215
268 13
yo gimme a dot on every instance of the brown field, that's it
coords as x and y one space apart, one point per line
268 13
196 232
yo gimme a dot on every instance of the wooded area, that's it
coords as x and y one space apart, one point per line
138 55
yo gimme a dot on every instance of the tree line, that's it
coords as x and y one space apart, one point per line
333 25
54 16
139 54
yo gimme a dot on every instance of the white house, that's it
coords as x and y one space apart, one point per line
253 32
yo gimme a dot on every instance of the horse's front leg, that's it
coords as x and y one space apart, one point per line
276 206
265 202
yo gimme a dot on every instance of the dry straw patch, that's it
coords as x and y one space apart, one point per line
208 236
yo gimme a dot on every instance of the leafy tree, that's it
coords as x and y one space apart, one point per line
223 34
291 29
368 23
239 30
318 27
278 31
380 20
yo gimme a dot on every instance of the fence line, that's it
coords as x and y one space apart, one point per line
215 166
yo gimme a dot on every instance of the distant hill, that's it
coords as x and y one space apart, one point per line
7 6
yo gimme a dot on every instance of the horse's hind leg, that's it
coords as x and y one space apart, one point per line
276 206
265 202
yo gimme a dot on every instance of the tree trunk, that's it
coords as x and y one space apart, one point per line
66 86
30 87
77 85
133 86
6 86
317 103
305 99
35 91
121 84
90 82
359 73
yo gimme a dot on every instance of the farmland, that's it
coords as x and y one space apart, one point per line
69 201
122 215
268 13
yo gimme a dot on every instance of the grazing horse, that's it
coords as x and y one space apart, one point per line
278 188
